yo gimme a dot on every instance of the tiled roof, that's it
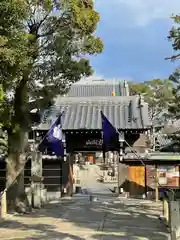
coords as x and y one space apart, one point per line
84 113
102 87
151 156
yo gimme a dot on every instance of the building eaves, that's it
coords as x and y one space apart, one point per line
154 156
84 113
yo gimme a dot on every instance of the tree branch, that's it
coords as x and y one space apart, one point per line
43 20
53 28
173 57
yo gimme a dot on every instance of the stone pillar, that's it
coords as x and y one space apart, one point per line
67 175
166 210
36 179
76 174
76 158
3 205
36 164
36 193
174 219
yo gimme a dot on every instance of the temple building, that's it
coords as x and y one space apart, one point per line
81 125
82 138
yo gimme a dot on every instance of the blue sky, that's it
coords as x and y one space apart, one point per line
134 33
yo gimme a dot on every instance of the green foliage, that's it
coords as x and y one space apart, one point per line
174 37
157 93
3 142
1 94
43 51
12 41
174 107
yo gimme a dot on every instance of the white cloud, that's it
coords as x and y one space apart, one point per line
139 12
149 10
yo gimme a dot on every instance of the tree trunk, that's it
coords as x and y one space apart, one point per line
17 143
16 197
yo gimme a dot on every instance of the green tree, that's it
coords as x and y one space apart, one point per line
1 94
3 135
174 38
45 44
174 105
157 93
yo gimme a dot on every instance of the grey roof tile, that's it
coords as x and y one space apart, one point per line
98 88
84 113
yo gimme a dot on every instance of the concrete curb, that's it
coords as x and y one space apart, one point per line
163 221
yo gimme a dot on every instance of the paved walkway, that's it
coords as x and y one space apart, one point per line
108 218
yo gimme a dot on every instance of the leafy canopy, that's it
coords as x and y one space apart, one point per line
174 38
12 37
43 47
157 93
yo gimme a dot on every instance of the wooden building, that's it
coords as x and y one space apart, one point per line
152 171
81 124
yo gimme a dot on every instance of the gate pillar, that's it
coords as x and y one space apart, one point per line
67 175
36 179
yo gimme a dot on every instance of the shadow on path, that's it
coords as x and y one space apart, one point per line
79 219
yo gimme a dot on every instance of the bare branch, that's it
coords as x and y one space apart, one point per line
173 57
43 20
56 24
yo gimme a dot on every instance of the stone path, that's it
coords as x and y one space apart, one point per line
108 218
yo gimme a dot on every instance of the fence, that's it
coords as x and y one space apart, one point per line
171 215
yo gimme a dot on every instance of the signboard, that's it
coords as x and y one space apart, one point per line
168 175
94 143
87 142
83 142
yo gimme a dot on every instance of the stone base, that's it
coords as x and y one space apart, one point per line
28 192
36 195
43 197
53 196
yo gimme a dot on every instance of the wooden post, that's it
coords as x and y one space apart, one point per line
120 160
145 182
156 184
114 159
67 175
64 174
119 165
70 177
179 177
105 164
